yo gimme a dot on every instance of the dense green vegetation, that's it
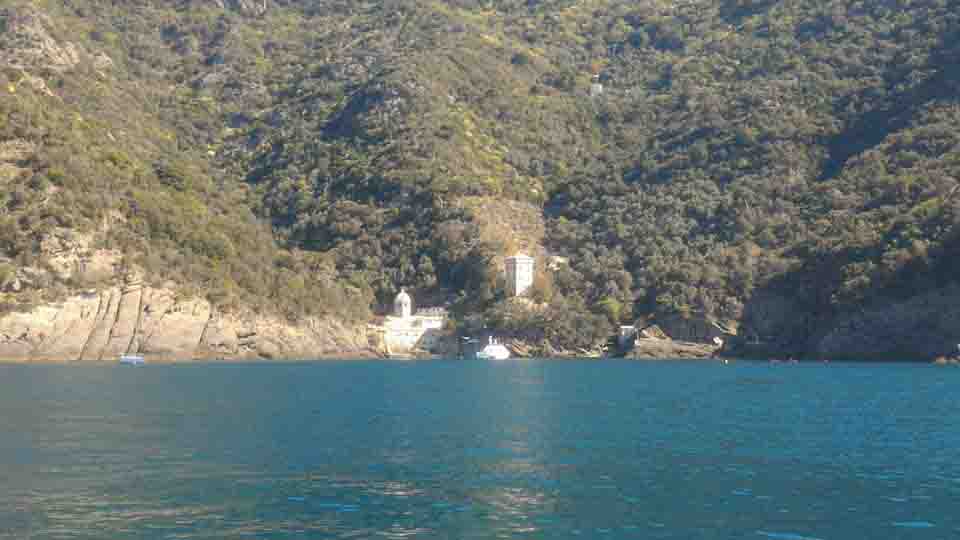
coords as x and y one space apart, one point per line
121 151
740 150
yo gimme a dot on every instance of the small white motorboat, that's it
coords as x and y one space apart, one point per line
494 350
132 360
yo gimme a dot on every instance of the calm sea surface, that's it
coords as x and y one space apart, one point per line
456 450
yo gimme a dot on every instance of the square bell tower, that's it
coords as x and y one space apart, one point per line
519 274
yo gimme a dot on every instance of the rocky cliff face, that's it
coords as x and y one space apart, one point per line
154 322
696 329
921 328
29 42
126 316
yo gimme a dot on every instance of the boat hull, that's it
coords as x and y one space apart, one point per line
131 360
494 352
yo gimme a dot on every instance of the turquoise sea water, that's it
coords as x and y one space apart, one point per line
457 450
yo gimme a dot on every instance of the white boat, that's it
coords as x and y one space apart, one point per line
494 350
132 360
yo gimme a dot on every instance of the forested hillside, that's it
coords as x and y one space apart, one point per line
784 169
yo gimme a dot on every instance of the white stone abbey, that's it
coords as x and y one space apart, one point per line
412 332
406 331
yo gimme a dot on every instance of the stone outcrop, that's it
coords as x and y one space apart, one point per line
247 7
246 335
154 322
652 332
56 332
126 316
652 348
29 42
12 153
69 254
921 328
696 328
32 46
172 327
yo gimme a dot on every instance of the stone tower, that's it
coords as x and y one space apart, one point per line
519 274
402 305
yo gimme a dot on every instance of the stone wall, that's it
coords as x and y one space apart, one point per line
404 335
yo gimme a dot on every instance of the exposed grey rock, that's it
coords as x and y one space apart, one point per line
155 322
696 328
102 62
921 328
247 7
661 349
29 42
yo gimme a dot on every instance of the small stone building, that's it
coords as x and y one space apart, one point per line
406 332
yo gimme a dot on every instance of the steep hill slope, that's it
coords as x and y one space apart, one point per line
106 169
788 169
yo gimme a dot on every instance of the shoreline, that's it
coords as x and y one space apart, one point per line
645 349
354 357
201 359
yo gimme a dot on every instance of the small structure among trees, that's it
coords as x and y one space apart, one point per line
519 274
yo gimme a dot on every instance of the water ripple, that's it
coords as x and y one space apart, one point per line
607 450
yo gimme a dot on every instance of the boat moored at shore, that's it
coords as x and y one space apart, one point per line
493 350
132 360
